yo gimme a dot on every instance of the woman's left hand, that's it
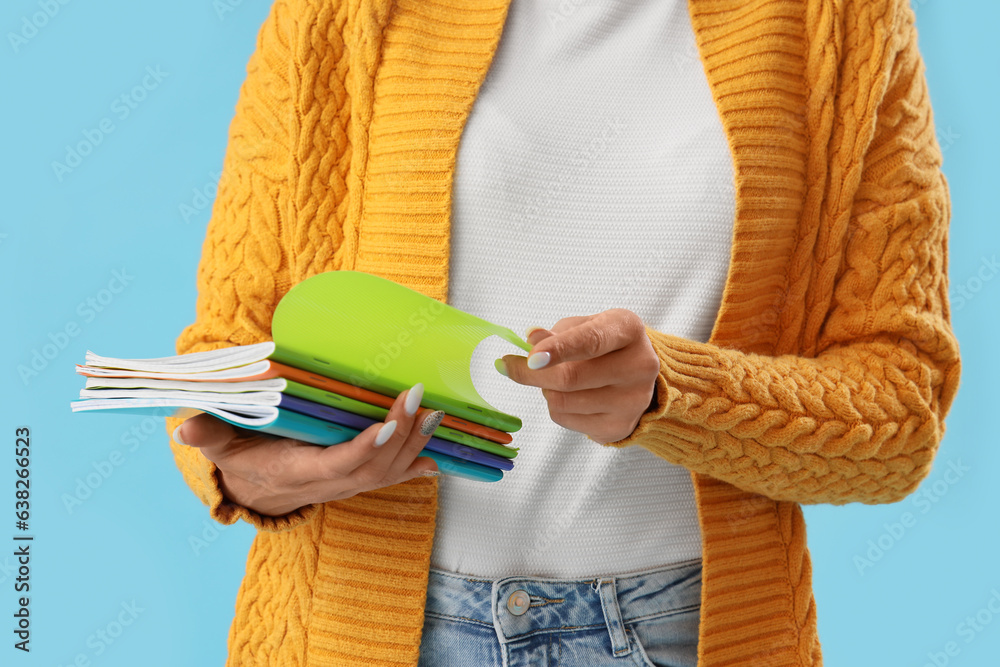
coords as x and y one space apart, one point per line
597 372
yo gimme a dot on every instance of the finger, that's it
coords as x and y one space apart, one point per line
338 462
368 477
588 401
567 323
599 427
405 411
209 434
428 421
602 334
392 458
422 466
375 448
618 368
293 462
387 439
535 335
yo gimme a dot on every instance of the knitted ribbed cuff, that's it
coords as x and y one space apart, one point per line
680 361
227 512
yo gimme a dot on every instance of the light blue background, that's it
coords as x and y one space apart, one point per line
135 538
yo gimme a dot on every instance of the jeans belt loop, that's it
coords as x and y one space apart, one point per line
613 617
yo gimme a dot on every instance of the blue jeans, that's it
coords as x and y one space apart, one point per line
646 619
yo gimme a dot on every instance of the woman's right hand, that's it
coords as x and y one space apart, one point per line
274 476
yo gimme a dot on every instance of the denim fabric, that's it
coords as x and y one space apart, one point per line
647 619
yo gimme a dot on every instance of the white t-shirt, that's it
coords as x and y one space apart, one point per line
593 173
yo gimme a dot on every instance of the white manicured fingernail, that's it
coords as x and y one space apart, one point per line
431 473
177 436
538 360
413 398
501 367
385 433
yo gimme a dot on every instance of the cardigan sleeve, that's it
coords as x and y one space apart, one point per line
243 269
861 419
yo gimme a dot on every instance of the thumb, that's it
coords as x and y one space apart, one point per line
210 435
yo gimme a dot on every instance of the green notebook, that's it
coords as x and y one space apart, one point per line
374 333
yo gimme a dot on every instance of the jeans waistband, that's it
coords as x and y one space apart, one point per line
521 606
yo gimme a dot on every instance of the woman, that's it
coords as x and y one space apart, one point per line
801 353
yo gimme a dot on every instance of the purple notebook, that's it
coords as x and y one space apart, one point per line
361 422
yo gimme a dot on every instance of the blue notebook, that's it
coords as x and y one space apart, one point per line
280 422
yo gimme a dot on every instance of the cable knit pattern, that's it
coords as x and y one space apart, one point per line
244 271
826 379
861 420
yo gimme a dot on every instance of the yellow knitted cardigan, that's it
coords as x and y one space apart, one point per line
828 373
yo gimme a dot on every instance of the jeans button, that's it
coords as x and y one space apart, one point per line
518 602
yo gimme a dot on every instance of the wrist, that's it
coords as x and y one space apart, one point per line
654 401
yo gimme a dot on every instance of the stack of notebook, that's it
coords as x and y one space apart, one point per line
345 345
